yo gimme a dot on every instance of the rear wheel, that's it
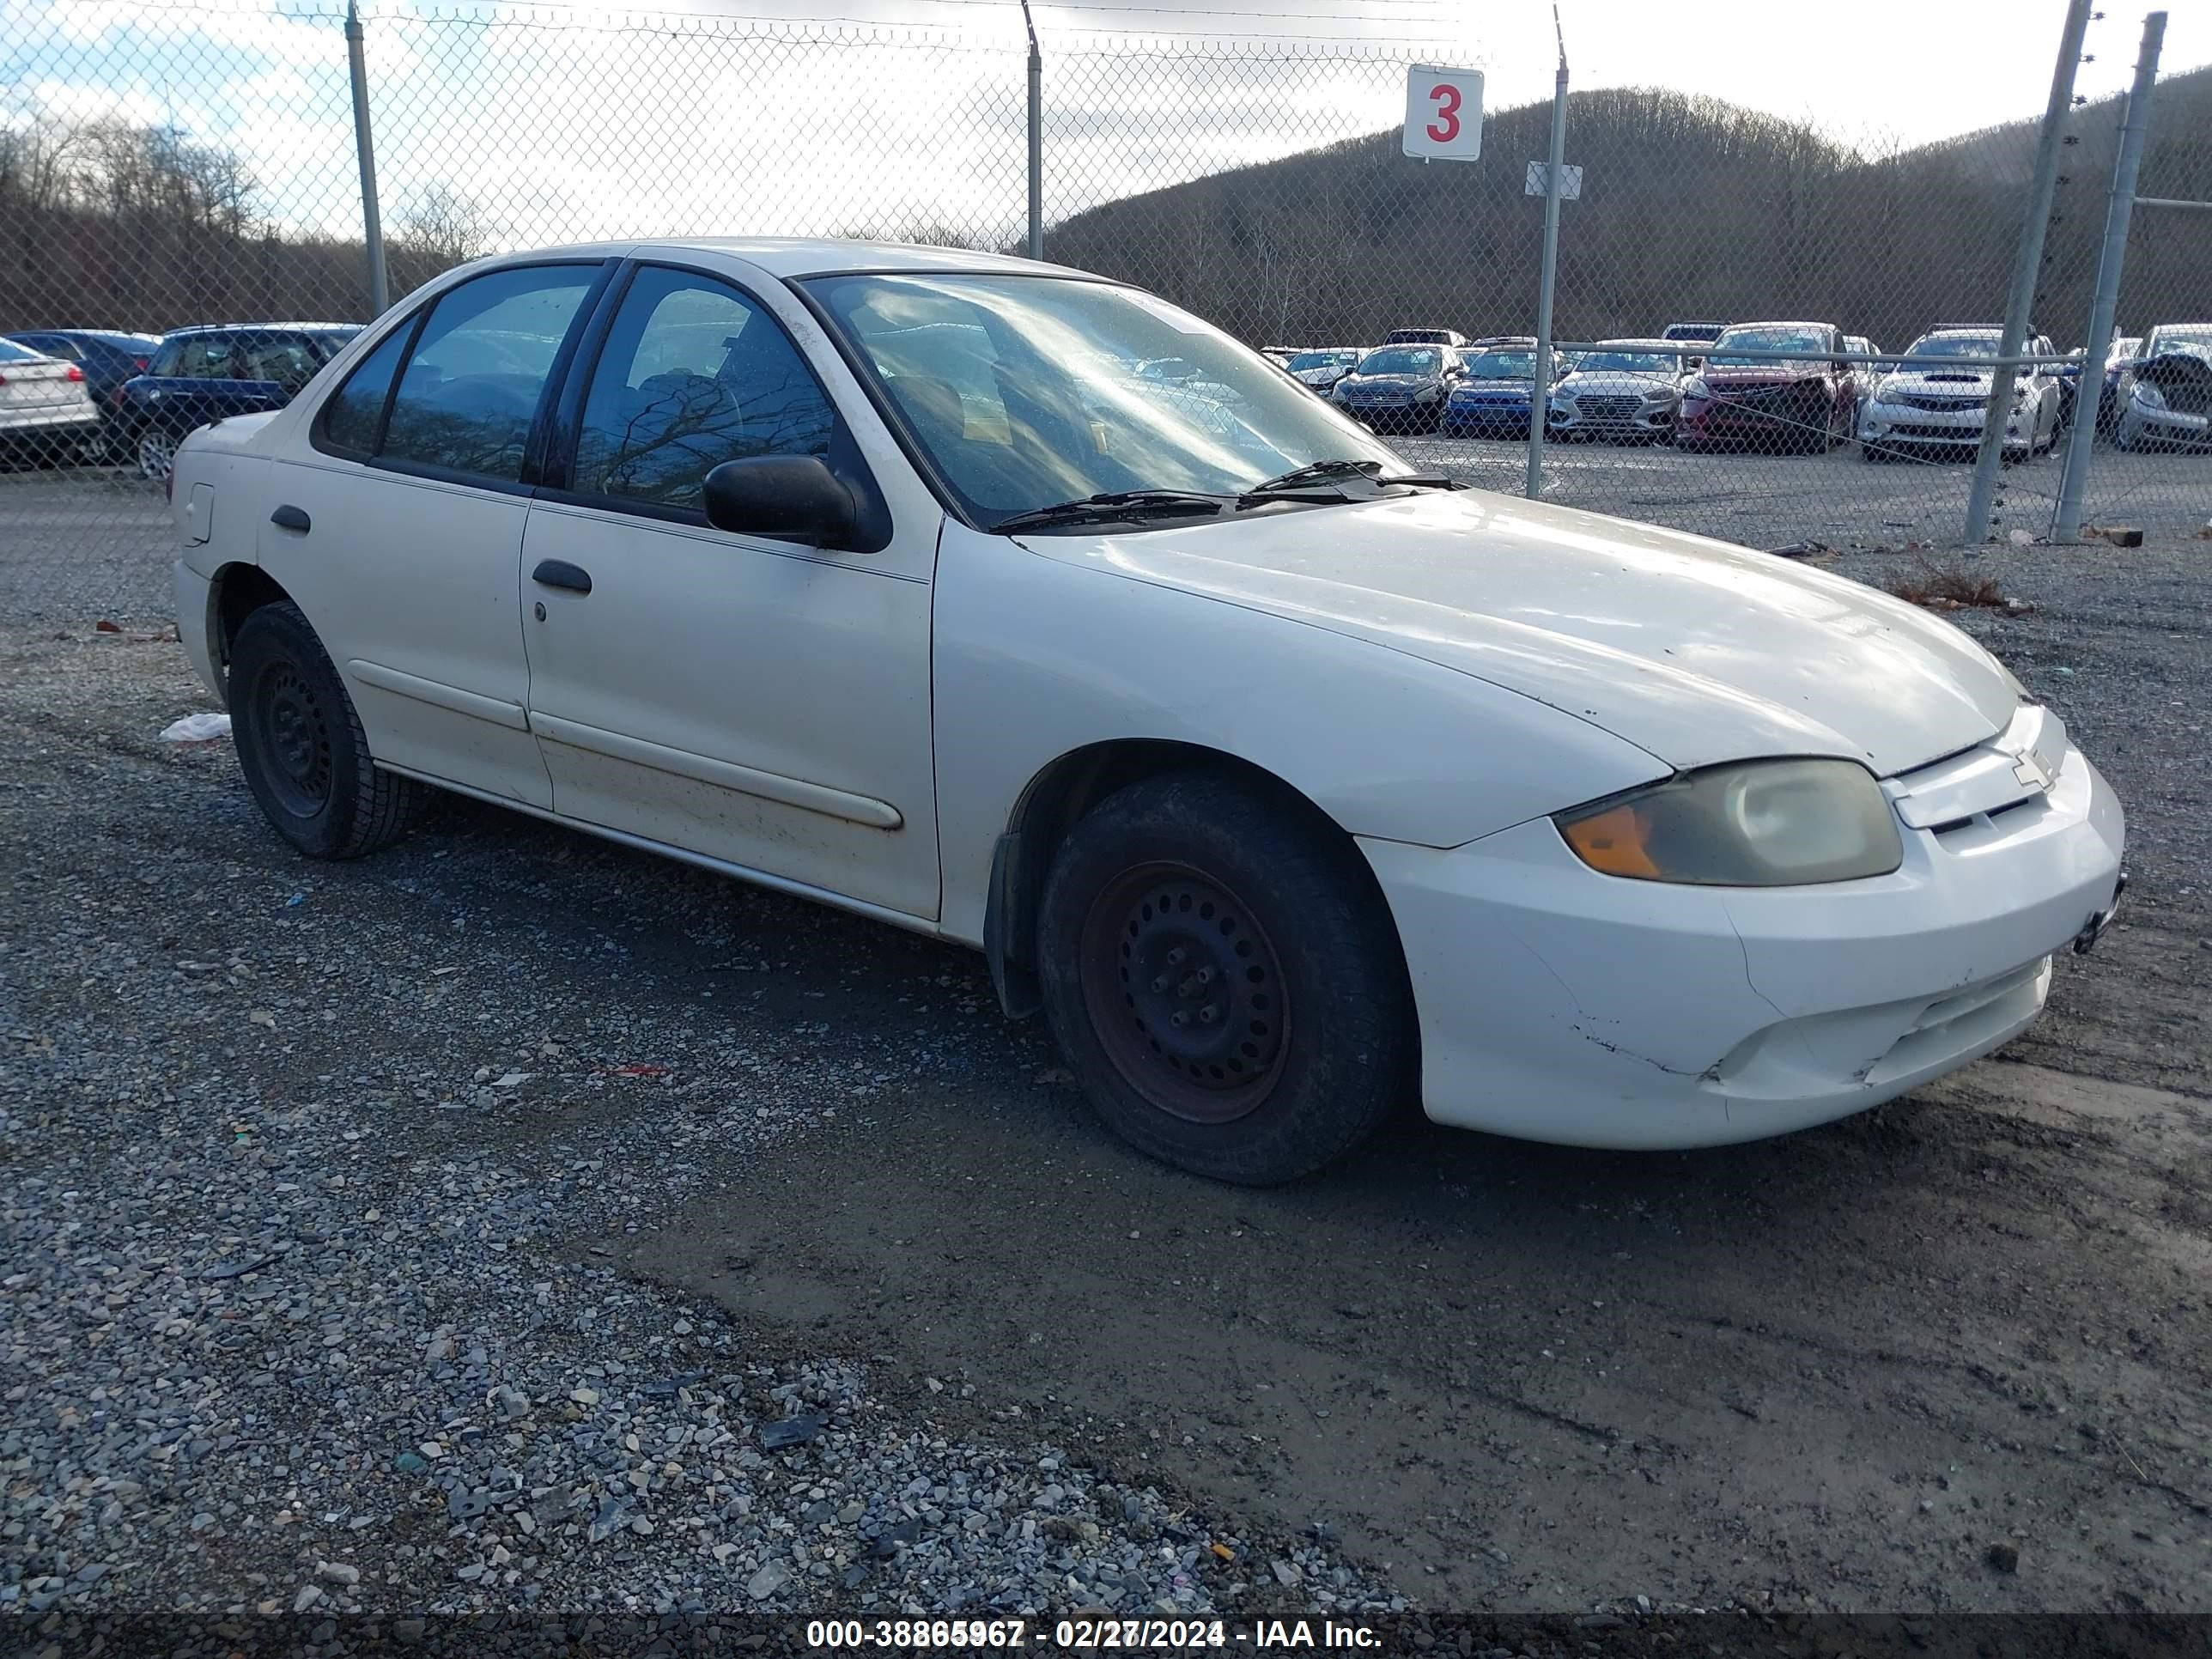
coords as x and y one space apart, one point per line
157 454
1225 977
301 743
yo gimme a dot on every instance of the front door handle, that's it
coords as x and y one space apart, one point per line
559 572
289 516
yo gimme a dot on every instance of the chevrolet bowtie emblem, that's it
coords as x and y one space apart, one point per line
2031 771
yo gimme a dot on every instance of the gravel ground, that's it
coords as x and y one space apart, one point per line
513 1221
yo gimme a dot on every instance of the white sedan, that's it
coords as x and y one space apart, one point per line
1291 785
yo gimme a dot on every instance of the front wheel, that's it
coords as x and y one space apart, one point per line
301 743
1225 976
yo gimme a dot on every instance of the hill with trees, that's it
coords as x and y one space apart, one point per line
1691 209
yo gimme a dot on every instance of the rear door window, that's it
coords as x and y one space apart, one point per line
354 416
199 357
472 386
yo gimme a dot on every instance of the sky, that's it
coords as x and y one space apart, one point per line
827 117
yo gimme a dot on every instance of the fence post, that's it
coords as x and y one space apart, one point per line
1539 370
1037 137
372 222
2027 265
2104 309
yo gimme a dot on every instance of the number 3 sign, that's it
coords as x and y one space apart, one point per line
1444 113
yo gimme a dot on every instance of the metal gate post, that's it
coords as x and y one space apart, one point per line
1036 139
380 292
2027 265
1539 377
2104 309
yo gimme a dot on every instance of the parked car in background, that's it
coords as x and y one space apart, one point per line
1447 337
1400 388
1290 786
1706 332
203 374
2165 398
1493 398
2118 361
1865 376
1932 408
46 414
1628 389
1773 406
108 358
1322 366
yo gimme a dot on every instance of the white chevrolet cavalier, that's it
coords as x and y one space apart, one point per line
1289 783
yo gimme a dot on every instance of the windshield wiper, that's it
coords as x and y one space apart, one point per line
1112 507
1334 474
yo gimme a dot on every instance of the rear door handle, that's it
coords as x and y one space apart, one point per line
289 516
559 572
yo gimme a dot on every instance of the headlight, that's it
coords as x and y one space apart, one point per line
2149 395
1756 823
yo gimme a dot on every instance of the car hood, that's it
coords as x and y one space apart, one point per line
1696 651
1613 383
1387 382
1744 378
1939 382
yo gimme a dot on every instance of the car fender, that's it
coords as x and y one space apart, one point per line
1036 658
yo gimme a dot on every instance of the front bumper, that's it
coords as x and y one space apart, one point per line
1650 421
1490 416
1900 426
1559 1004
2141 426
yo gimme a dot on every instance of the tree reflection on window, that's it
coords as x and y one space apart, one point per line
692 376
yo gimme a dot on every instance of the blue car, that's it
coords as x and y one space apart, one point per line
1492 399
203 374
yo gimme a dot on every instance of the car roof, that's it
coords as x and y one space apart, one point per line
263 328
1780 322
802 255
114 336
1671 348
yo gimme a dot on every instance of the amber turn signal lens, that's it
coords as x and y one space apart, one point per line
1613 842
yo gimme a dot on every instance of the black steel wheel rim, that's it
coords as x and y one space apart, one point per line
292 731
1185 992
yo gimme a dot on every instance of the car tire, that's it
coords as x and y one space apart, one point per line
155 453
301 744
1290 1036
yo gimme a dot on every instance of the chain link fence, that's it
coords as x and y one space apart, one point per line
165 169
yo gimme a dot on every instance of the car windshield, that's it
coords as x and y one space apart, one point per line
1023 392
1627 362
1401 360
1955 345
1324 359
2194 337
1503 366
1767 339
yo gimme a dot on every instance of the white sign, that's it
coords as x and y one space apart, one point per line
1444 113
1571 181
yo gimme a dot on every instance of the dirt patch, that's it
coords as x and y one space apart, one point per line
1833 1370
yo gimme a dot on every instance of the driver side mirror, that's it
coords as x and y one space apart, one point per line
794 498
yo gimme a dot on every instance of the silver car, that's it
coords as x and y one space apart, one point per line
46 412
2166 400
1628 389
